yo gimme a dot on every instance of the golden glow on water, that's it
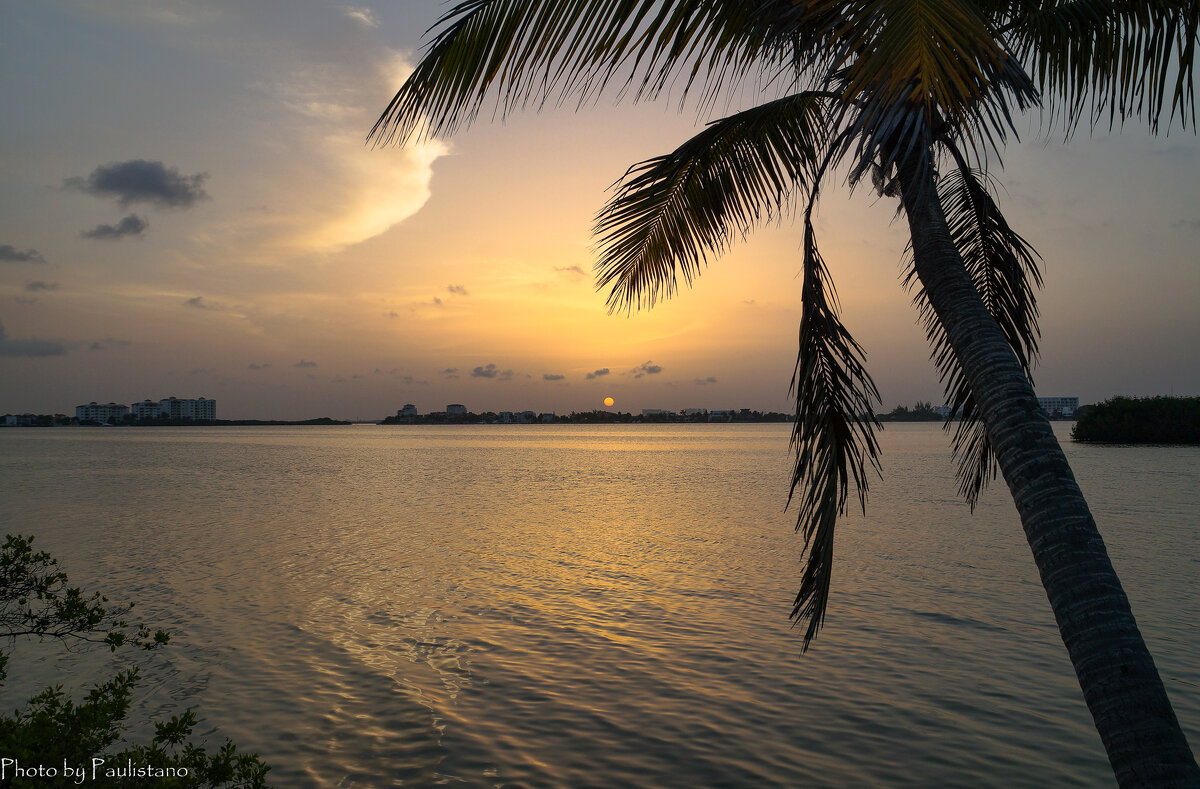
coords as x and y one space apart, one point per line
593 605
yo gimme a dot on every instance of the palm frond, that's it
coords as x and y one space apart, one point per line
1092 57
533 51
670 212
1005 272
834 433
908 68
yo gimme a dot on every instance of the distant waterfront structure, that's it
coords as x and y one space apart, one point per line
200 409
104 413
456 409
1059 406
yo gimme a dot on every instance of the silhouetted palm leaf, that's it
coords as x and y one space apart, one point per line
534 51
670 212
1093 56
834 432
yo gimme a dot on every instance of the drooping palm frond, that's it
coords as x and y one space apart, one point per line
534 51
1005 272
834 432
670 212
1092 57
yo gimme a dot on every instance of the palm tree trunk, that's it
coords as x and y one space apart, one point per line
1120 683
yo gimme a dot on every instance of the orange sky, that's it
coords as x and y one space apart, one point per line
311 275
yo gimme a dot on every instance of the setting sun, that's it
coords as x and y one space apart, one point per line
608 401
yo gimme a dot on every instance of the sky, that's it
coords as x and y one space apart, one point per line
188 207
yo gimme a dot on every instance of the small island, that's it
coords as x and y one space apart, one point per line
1141 420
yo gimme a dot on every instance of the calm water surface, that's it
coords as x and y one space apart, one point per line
592 606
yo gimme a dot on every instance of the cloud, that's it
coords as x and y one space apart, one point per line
364 16
392 314
1188 224
39 285
200 371
199 303
705 381
142 181
303 363
646 368
493 372
25 301
458 289
450 373
10 254
30 347
132 225
553 377
598 373
573 270
253 366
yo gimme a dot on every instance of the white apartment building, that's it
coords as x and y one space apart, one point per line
1059 406
104 413
456 409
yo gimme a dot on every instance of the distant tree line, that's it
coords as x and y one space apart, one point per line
1145 420
921 412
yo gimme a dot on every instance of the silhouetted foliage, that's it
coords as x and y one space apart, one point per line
54 732
1146 420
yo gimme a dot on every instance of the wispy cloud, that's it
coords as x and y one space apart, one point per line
254 366
458 290
304 363
553 377
132 225
198 302
493 372
646 368
575 271
30 347
705 381
142 181
38 285
598 373
10 254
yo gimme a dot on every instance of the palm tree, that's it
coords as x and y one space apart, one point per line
918 96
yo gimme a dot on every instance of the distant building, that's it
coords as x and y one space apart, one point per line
201 409
456 409
1059 407
720 416
104 413
409 410
147 409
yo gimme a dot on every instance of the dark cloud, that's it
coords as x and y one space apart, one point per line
253 366
457 289
646 368
598 373
10 254
576 270
132 225
705 381
450 373
493 372
553 377
199 303
30 347
199 371
39 285
142 181
303 363
392 314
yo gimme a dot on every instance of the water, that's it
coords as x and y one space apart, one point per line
591 606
